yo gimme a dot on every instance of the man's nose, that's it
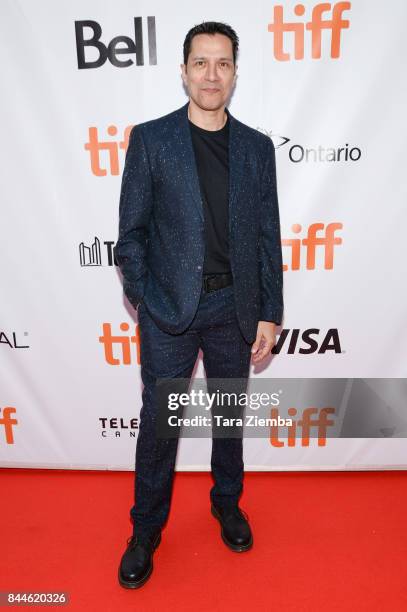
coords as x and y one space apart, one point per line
212 72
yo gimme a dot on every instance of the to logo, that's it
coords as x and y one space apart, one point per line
329 342
279 27
327 241
113 50
91 255
321 424
124 342
8 422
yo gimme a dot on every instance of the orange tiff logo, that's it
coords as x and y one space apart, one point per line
317 236
302 427
96 146
335 24
7 422
122 356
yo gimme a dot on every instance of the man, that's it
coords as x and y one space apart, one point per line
200 251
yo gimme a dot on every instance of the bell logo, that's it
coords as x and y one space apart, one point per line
7 422
335 24
118 46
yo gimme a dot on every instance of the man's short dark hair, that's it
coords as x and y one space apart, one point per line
211 27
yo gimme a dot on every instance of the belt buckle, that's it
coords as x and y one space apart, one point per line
206 282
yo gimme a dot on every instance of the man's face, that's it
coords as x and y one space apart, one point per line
210 73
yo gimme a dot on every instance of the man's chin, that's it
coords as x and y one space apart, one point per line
210 105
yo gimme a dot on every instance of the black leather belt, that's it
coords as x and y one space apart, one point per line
211 282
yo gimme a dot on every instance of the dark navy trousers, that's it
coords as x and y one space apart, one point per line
226 354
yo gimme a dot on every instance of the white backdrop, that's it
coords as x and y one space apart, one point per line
64 131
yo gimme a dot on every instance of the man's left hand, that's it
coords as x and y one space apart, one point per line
265 340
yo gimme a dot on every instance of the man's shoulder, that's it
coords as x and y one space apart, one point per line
161 124
253 136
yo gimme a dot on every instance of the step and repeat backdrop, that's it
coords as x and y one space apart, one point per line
325 81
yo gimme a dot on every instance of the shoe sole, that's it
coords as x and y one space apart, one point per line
132 584
234 547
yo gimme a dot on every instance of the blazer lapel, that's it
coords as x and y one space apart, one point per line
237 157
186 159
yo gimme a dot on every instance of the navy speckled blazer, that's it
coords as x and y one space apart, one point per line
160 248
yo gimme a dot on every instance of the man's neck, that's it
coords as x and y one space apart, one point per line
211 120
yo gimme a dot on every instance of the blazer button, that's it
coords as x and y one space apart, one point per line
199 267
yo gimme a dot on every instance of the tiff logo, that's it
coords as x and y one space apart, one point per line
7 422
334 24
320 423
327 241
95 146
123 343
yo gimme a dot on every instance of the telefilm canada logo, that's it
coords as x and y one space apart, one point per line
114 427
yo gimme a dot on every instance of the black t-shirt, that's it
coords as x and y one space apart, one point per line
211 150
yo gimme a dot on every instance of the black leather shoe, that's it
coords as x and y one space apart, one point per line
235 532
136 565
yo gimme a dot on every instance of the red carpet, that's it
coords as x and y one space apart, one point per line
322 541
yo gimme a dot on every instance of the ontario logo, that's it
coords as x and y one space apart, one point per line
301 153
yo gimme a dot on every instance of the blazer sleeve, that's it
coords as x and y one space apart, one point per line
270 254
134 213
